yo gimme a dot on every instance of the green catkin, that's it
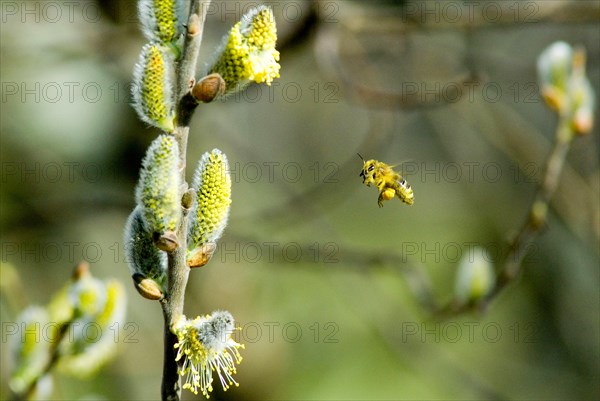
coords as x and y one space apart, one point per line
158 189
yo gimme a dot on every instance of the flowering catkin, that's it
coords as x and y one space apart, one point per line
248 53
205 345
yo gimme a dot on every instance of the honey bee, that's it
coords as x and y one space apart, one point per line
388 182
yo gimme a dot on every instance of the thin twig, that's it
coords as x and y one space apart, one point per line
536 218
178 271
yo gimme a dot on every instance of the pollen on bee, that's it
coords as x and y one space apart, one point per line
388 194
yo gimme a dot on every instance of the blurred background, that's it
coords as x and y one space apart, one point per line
333 295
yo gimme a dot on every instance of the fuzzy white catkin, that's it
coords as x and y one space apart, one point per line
475 276
554 65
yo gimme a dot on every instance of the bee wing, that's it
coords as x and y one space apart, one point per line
401 163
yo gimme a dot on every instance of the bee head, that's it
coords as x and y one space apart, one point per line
368 171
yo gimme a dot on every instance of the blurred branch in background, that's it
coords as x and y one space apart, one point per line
56 336
567 90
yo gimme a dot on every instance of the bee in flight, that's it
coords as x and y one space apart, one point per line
388 182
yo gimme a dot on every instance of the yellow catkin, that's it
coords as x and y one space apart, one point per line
160 19
152 97
166 19
213 198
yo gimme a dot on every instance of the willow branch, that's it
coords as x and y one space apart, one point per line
186 69
538 211
178 271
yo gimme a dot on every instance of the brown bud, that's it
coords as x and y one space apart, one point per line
538 215
147 287
200 256
209 88
187 200
554 98
166 242
579 57
81 270
583 122
193 26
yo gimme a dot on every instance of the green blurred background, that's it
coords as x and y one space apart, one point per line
330 291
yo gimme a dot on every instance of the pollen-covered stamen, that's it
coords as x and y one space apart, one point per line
248 52
225 363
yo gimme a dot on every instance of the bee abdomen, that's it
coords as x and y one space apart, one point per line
405 192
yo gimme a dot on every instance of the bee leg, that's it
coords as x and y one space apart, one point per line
380 199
